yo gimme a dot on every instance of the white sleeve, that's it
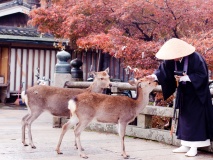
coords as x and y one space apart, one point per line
155 77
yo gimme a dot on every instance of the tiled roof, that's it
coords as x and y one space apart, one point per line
13 3
17 31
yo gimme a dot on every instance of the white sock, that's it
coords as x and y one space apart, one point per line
182 149
192 152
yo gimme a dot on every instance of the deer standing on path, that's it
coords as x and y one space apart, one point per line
119 110
42 98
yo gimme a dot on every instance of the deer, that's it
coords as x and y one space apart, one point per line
119 110
40 98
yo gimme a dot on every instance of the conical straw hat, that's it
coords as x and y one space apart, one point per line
174 48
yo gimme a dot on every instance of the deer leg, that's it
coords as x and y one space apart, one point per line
76 142
24 128
122 130
33 116
75 139
79 128
65 128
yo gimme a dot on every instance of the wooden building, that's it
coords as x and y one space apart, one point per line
23 49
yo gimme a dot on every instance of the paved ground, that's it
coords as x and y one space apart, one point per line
98 146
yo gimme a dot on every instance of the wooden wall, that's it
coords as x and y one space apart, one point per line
4 67
96 61
18 20
23 65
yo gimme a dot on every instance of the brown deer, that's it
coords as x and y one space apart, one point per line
42 98
119 110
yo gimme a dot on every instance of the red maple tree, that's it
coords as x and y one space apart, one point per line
132 30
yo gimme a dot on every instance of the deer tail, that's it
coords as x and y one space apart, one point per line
72 107
23 96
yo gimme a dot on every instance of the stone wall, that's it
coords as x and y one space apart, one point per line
143 130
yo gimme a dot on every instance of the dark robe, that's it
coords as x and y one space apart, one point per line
195 119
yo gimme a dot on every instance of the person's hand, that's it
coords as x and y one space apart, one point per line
177 78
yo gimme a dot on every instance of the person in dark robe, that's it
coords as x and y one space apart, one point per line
185 71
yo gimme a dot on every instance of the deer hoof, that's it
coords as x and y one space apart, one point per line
58 151
24 143
82 149
33 147
125 156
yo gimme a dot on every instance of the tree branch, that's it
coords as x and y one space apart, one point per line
147 37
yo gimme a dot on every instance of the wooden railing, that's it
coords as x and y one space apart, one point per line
143 128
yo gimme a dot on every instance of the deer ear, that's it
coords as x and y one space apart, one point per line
92 73
107 70
133 82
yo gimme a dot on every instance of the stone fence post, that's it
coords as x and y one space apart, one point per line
63 73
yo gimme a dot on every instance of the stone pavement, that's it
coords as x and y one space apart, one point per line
98 146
